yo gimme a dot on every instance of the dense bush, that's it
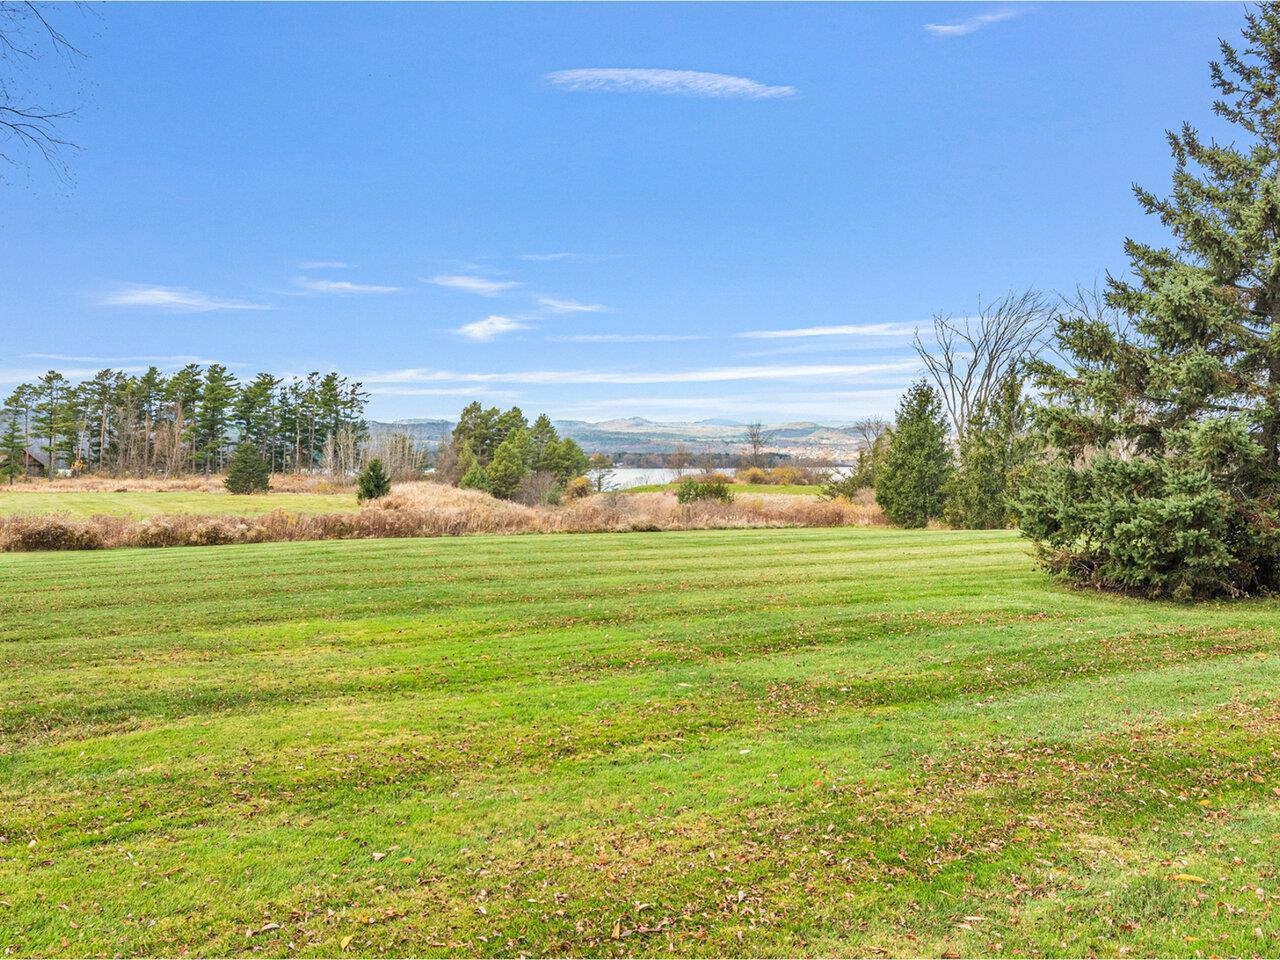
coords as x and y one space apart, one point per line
845 485
579 487
475 478
248 472
372 482
692 490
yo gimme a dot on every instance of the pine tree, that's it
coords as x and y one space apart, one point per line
475 478
212 416
510 463
1166 479
247 472
52 420
12 447
372 482
992 458
913 473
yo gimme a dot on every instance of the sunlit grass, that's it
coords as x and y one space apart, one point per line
29 500
835 741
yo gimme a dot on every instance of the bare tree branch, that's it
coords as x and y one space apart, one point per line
969 356
26 34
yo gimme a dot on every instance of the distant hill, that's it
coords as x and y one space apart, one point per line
638 435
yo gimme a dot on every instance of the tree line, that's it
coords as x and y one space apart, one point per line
185 422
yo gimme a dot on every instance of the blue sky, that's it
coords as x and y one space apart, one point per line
554 205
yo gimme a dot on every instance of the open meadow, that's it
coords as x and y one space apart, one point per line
32 500
771 742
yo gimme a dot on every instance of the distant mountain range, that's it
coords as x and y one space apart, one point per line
638 435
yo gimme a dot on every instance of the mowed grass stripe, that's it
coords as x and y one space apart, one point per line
774 742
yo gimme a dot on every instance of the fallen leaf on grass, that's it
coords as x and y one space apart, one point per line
346 942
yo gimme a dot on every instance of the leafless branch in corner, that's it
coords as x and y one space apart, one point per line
969 356
26 34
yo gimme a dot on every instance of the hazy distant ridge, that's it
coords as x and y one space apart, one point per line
638 435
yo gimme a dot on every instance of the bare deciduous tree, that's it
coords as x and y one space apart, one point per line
757 439
969 356
26 34
680 459
868 431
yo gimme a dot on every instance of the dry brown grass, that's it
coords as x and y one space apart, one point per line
432 510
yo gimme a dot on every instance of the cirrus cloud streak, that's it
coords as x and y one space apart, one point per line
814 371
175 300
682 83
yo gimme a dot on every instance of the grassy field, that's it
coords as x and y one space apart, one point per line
776 742
794 489
139 504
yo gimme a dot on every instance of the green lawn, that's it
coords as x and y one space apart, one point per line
141 504
797 489
837 741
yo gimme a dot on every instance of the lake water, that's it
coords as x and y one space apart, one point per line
624 478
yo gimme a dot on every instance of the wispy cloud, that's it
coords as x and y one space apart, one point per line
490 327
973 24
626 338
168 359
322 265
342 287
843 330
687 83
477 285
709 375
549 257
423 391
175 300
556 305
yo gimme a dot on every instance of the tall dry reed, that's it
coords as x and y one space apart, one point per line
433 510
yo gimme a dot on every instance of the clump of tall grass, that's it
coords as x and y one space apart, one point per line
423 509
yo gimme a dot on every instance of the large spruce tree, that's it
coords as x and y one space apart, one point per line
1166 479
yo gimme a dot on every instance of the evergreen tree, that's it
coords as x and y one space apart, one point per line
52 419
247 472
569 461
912 475
254 414
372 482
992 457
12 447
99 400
182 394
213 416
475 478
510 463
477 427
543 435
1166 477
